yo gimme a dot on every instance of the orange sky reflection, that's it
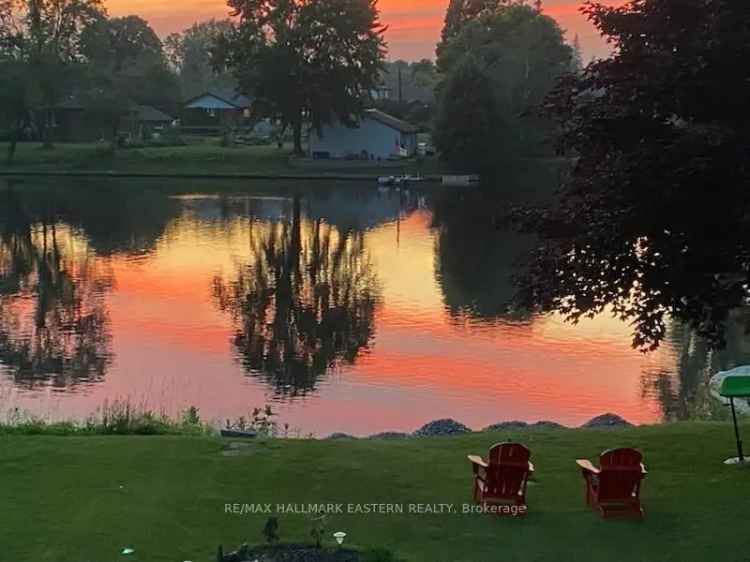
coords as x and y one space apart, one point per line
172 348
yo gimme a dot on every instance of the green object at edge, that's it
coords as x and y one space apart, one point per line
735 387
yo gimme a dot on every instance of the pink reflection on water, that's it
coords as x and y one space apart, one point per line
172 348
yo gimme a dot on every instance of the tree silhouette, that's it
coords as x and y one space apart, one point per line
304 303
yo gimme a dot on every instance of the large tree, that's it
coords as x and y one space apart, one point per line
189 53
16 100
126 66
40 40
459 13
521 53
305 59
468 122
653 219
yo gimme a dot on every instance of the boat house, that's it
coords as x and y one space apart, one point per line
377 136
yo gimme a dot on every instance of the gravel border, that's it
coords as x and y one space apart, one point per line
447 427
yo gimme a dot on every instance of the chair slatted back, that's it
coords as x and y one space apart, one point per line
508 470
620 476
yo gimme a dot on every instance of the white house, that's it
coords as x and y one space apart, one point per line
378 136
380 93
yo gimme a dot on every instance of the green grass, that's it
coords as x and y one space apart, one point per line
197 158
62 501
204 158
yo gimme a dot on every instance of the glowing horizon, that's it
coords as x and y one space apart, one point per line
413 25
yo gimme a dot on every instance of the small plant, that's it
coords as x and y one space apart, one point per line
259 421
191 417
318 530
262 423
271 530
112 418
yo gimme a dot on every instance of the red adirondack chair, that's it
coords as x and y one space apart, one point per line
614 489
500 483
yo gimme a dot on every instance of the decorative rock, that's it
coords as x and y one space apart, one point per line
236 434
502 426
441 427
607 420
390 435
340 436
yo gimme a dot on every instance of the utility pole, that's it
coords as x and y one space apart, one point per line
400 86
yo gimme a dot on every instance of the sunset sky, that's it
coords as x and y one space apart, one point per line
414 25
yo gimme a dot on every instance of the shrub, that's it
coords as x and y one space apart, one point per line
112 418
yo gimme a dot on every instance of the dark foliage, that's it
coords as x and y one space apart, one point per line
305 61
653 219
304 304
468 123
461 11
521 53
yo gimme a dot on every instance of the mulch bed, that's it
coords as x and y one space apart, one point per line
294 553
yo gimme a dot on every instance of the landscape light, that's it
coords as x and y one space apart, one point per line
339 536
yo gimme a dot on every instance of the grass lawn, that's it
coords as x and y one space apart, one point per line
204 158
62 502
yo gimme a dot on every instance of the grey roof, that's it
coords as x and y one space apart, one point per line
72 101
147 113
231 97
391 121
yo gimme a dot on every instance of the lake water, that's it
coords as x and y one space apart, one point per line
348 307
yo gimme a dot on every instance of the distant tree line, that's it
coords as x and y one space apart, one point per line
64 51
303 63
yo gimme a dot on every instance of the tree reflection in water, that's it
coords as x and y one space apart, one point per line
54 328
304 303
476 256
684 393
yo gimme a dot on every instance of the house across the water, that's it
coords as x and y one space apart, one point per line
73 122
377 136
216 108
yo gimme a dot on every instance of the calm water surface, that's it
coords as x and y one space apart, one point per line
350 308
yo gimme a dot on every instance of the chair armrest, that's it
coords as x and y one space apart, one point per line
586 465
476 459
531 466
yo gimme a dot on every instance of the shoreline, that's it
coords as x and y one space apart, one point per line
104 174
119 419
447 427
